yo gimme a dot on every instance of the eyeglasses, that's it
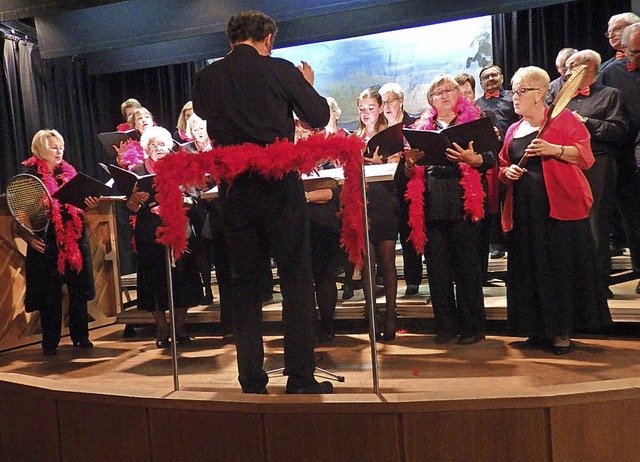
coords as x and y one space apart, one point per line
440 93
493 75
387 103
615 30
157 146
521 91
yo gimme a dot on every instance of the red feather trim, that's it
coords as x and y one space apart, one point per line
415 198
68 230
272 161
470 179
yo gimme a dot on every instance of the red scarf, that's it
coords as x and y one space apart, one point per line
470 180
273 161
68 231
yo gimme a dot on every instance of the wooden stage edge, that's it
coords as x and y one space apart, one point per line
486 402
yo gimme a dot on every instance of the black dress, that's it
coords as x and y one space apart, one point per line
152 276
552 286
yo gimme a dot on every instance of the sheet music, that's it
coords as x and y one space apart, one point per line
372 173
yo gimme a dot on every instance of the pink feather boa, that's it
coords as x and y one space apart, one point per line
470 180
68 232
272 161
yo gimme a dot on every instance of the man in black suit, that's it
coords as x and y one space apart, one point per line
497 104
602 112
250 97
624 74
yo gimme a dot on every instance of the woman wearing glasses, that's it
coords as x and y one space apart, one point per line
552 279
453 208
151 284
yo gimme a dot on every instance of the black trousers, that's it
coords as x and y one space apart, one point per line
262 218
411 260
51 316
452 259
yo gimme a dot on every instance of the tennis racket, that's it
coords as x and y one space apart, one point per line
566 93
29 203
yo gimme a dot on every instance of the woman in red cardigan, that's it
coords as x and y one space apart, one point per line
552 285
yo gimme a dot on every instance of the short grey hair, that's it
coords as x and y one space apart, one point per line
589 55
392 87
155 133
626 35
628 18
436 82
533 75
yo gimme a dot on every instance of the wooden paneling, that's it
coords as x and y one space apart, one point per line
28 426
477 435
20 328
180 434
332 437
103 432
603 431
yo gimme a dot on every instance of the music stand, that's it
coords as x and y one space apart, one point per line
172 314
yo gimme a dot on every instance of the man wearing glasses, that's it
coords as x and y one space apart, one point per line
498 105
624 74
616 26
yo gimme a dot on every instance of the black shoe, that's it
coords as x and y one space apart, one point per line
470 339
84 343
638 288
262 391
316 388
412 289
616 251
443 337
609 293
49 351
207 299
183 339
326 334
561 350
496 254
388 337
347 293
163 342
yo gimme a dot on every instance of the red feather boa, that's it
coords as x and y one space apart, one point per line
473 196
272 161
67 231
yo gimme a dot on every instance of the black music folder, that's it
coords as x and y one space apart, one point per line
435 142
126 180
111 139
78 188
389 141
189 146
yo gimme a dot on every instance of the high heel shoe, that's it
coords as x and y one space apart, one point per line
163 342
389 327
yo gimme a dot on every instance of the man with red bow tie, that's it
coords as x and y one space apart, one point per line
616 26
625 76
602 112
497 104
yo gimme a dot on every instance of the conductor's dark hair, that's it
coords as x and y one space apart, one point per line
250 25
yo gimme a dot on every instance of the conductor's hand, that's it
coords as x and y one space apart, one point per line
513 172
375 159
307 71
412 156
91 202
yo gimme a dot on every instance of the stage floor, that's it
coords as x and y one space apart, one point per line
412 363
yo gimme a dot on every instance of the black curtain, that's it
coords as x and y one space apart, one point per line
20 103
534 37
